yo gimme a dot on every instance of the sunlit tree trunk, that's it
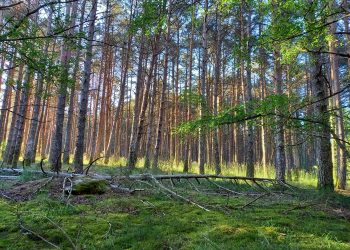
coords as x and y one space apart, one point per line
203 105
337 105
163 90
69 127
134 131
187 148
30 149
280 161
21 117
5 102
84 94
215 92
56 143
7 156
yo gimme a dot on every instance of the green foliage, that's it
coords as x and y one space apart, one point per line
191 97
249 111
152 19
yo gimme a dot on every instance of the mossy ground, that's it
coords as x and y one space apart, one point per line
152 220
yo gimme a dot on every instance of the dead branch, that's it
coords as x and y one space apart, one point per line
20 222
223 188
90 164
6 196
257 198
300 207
41 166
8 177
45 182
63 232
120 189
160 185
109 229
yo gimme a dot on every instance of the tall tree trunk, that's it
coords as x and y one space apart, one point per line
119 112
68 134
339 121
187 148
7 156
151 120
30 149
163 90
20 121
248 93
280 164
56 143
215 92
93 137
84 94
134 145
5 102
134 131
203 105
325 168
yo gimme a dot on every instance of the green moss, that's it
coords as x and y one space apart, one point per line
87 185
154 221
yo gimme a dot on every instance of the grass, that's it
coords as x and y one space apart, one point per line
154 221
151 220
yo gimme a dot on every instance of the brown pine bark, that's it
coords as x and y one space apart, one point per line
163 90
134 145
337 105
203 105
30 149
187 148
69 127
56 143
5 103
21 118
280 161
7 156
215 92
134 130
84 94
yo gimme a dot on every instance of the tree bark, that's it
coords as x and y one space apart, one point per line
68 134
280 161
84 94
20 120
163 90
203 105
215 93
56 141
7 156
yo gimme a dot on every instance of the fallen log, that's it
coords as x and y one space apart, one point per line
17 171
143 177
9 177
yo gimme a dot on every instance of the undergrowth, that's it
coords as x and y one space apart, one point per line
152 220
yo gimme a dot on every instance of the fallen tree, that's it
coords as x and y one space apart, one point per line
169 184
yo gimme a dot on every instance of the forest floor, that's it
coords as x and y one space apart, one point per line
150 219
